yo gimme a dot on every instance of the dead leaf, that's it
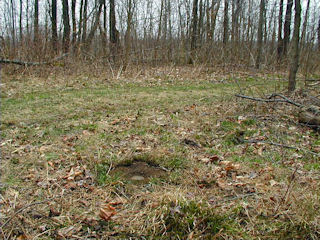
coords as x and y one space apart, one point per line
107 212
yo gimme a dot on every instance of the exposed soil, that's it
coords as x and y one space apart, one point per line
138 172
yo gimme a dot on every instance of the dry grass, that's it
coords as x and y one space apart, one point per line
63 133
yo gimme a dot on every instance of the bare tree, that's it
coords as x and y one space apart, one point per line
114 34
280 40
74 23
294 63
54 25
84 21
226 22
66 25
95 24
260 32
194 25
319 34
20 21
36 21
287 28
305 23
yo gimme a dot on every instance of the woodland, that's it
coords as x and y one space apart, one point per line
194 119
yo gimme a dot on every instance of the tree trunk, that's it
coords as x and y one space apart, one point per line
114 34
226 22
20 22
280 40
84 20
95 26
36 21
260 33
305 24
319 34
194 25
54 25
74 23
294 65
128 33
287 28
66 26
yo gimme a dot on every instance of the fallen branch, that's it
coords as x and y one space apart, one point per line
280 145
24 208
283 100
271 143
22 63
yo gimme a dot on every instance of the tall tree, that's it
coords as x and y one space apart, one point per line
66 25
260 32
194 25
280 40
114 34
74 23
287 28
36 21
84 21
305 23
54 25
319 34
95 24
226 22
20 21
294 63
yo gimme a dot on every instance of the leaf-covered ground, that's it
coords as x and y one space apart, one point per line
160 153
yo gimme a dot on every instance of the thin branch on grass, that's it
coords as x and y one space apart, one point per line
24 208
271 143
280 145
283 100
287 193
22 63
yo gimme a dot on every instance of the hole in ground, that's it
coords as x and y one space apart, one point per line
138 171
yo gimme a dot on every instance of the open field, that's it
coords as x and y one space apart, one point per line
163 153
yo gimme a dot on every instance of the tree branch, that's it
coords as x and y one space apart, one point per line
22 63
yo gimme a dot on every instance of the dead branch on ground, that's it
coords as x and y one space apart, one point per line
22 63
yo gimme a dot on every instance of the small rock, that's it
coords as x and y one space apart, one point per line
137 178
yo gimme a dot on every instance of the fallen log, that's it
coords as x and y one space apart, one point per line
309 116
23 63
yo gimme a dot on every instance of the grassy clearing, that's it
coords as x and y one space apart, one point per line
62 141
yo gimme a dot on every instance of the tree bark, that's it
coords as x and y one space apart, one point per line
260 32
114 34
95 25
280 40
66 25
294 65
54 25
36 21
226 22
319 34
84 20
74 23
287 28
20 21
194 25
305 23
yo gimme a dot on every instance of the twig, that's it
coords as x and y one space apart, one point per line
284 100
22 63
22 209
280 145
271 143
286 195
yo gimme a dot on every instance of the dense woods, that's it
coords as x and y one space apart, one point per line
243 32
